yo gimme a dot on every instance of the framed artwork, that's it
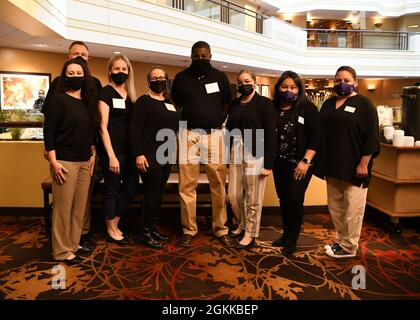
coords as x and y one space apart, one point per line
19 90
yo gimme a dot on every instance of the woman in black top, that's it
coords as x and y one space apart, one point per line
152 113
298 139
69 136
251 124
115 105
350 142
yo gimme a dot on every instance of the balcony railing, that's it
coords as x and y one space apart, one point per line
366 39
220 10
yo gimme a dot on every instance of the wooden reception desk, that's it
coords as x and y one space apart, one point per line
395 185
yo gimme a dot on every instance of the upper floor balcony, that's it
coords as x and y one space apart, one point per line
239 38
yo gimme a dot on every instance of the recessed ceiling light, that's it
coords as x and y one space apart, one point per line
225 66
413 26
117 52
40 45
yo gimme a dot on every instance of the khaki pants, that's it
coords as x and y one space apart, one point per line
209 150
246 190
346 204
87 216
69 208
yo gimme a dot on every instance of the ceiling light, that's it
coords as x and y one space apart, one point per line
413 26
117 52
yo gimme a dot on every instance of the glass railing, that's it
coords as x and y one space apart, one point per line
220 10
366 39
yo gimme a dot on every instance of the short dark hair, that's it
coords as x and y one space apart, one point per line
80 43
200 44
348 69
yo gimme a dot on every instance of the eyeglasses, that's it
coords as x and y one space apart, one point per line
158 79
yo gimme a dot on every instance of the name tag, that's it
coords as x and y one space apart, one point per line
212 87
350 109
118 103
170 107
301 120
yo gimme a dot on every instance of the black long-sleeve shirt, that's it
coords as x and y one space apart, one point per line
307 129
148 117
53 90
349 132
256 114
68 129
202 100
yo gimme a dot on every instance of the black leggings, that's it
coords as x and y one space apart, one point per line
154 182
291 194
117 196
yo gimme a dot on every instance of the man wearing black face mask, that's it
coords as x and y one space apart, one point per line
77 50
203 94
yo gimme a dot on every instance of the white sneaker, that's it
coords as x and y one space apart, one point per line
339 252
330 246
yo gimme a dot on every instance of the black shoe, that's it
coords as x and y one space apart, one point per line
239 246
84 249
237 235
148 240
186 241
110 239
159 237
71 262
280 242
227 241
288 250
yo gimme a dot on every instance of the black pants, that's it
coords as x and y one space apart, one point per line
291 194
154 182
117 196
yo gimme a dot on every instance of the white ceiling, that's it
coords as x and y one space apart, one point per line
12 37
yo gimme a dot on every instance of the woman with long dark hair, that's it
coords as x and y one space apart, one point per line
69 136
298 139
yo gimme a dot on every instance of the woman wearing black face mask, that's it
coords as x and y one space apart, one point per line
70 131
153 112
298 138
251 124
351 140
116 103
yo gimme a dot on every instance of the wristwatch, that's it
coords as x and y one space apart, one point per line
307 161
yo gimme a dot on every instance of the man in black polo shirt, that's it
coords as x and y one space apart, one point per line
77 50
203 94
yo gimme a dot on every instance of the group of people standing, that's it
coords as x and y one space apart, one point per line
286 137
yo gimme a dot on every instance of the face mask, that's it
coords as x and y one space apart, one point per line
246 89
157 86
343 89
119 78
74 83
288 96
201 67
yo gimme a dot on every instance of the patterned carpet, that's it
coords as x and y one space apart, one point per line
210 271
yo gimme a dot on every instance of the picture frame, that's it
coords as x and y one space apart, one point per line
19 90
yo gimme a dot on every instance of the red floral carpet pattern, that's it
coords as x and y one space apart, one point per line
208 270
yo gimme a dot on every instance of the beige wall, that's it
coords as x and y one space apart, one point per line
23 169
405 21
383 90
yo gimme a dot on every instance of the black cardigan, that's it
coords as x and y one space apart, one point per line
308 135
258 114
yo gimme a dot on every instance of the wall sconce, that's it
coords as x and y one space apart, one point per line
371 88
